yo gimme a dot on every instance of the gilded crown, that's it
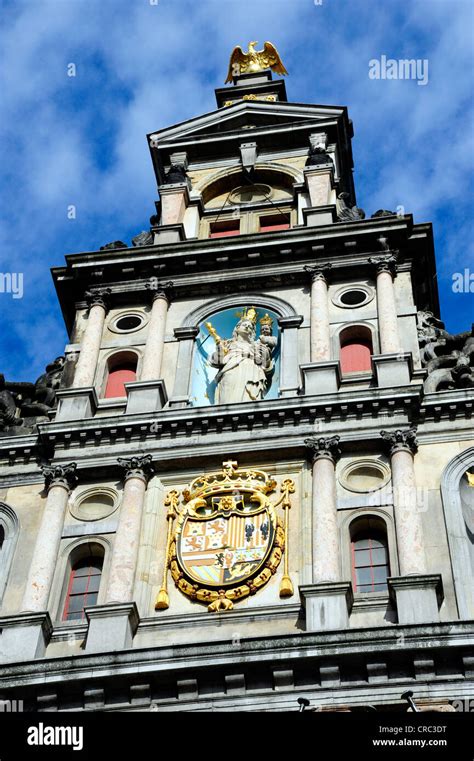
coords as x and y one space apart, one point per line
248 313
230 478
266 320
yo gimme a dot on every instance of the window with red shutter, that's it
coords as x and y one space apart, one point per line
274 223
225 229
118 376
356 351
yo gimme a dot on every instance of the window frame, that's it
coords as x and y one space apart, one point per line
70 586
71 550
373 534
346 517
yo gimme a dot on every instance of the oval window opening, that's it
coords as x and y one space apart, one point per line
365 478
96 506
353 298
128 322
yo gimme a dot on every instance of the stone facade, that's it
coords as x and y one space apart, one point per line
382 446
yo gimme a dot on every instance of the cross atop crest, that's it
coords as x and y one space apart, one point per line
229 466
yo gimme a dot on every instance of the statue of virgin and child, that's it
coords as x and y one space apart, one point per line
244 362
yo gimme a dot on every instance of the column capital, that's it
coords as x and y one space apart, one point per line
293 321
139 466
323 447
60 475
385 263
318 271
98 296
401 441
160 290
186 333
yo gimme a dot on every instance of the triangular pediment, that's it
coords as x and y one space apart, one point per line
248 115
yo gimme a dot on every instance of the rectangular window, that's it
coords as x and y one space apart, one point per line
225 229
273 223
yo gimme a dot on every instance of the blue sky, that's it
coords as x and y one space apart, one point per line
142 65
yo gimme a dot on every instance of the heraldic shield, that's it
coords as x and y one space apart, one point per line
228 540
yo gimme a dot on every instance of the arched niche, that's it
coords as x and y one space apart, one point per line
285 326
280 178
458 505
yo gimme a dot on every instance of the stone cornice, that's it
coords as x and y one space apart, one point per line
296 648
284 422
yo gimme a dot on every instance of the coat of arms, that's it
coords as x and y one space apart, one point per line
228 540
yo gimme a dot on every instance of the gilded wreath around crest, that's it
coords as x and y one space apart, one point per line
225 540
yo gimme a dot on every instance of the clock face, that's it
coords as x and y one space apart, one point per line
251 194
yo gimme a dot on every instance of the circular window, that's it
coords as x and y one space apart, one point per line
349 298
128 322
95 504
365 475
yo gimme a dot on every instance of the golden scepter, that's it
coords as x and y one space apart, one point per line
286 585
218 340
171 501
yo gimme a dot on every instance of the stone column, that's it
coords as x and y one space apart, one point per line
322 376
153 355
329 599
186 337
90 346
125 553
386 306
113 624
326 551
320 337
289 372
411 554
417 593
59 480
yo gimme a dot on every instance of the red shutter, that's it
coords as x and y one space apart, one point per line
225 229
355 356
271 224
117 377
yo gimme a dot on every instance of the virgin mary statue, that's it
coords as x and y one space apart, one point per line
245 364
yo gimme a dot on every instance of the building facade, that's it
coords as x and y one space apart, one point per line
248 479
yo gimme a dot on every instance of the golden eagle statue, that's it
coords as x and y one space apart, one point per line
254 60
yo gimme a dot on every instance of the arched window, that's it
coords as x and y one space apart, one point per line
369 555
356 349
122 368
83 584
2 536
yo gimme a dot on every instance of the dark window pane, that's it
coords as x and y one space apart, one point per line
364 576
75 603
91 599
79 584
377 543
74 615
94 584
379 556
380 573
362 557
81 570
361 544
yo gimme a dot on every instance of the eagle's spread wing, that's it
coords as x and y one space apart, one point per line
237 58
272 60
